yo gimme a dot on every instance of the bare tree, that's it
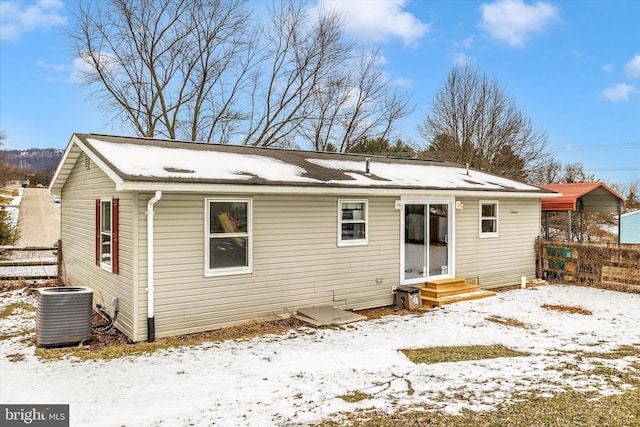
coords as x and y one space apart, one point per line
630 193
551 173
472 121
167 67
358 102
632 200
554 172
204 70
302 55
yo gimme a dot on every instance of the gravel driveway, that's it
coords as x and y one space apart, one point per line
39 218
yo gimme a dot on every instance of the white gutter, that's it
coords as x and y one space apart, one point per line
324 190
151 325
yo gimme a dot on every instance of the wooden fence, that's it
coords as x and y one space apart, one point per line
601 265
21 263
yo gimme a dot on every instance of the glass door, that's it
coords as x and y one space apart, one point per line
427 252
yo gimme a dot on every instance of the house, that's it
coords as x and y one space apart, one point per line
192 237
630 227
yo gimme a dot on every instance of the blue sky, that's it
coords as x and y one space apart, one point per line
573 67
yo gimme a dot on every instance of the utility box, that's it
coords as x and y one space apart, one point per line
408 298
63 316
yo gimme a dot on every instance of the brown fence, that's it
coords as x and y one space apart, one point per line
601 265
20 263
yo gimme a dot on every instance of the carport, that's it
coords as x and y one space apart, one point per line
580 198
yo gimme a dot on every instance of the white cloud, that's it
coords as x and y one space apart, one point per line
402 82
608 68
378 21
79 69
466 43
53 67
17 19
82 66
618 93
462 59
633 67
514 21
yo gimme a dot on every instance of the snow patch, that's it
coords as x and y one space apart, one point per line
298 378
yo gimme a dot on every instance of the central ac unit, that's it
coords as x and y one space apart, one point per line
63 316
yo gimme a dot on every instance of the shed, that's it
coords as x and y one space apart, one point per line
630 227
194 236
580 198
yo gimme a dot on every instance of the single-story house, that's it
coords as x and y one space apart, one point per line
194 236
630 227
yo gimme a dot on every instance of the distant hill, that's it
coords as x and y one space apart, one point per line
33 159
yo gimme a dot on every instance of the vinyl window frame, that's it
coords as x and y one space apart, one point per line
494 218
227 271
112 207
341 221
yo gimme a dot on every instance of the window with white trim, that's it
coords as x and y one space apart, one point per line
228 236
488 218
107 232
352 222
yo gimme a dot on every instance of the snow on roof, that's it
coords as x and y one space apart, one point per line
143 160
420 175
162 162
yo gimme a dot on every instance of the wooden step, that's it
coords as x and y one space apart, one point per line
445 281
446 291
450 290
445 284
440 301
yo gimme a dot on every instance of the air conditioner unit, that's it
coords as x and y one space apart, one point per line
63 315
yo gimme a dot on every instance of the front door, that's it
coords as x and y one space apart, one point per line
427 251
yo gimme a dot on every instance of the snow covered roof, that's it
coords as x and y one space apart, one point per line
147 164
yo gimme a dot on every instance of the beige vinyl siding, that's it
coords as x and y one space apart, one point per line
79 193
296 262
502 260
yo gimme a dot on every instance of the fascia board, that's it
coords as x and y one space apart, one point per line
338 191
58 180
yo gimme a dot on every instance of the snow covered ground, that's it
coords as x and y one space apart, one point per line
296 379
13 209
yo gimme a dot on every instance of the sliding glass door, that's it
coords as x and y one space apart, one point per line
427 252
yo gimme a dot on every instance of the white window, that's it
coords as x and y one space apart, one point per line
105 234
227 236
488 219
352 222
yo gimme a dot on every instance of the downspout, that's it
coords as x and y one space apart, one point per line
151 322
620 211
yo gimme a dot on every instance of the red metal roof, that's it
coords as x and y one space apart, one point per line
570 195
